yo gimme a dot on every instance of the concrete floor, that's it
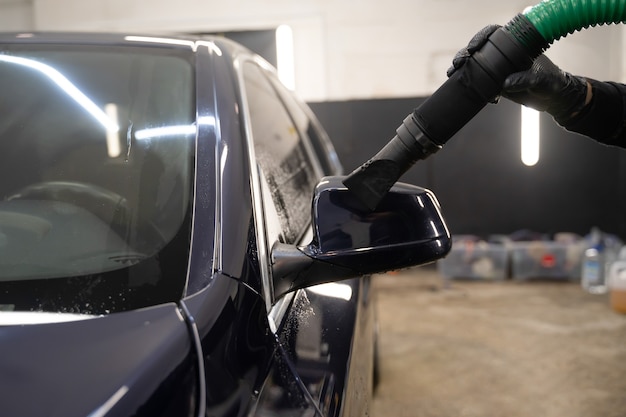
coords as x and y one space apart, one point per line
515 349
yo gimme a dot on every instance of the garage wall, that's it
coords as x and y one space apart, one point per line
343 50
16 15
479 178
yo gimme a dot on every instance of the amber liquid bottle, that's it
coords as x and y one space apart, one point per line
617 286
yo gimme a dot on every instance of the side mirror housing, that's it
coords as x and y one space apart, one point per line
406 229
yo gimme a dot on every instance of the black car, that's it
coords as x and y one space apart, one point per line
175 238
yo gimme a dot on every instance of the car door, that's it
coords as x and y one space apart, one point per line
314 328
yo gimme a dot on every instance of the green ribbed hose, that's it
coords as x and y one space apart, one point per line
557 18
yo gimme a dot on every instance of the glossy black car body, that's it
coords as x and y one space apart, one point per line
166 265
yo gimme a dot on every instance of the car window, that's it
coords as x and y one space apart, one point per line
308 126
96 169
283 157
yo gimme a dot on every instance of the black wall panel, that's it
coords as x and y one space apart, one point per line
479 178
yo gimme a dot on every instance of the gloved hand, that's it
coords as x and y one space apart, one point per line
477 41
544 86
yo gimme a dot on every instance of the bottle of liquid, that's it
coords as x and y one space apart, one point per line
617 286
592 276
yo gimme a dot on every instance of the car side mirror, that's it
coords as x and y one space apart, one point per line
349 240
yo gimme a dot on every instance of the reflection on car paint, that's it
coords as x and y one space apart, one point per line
318 324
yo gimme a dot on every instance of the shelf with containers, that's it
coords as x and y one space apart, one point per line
558 259
473 258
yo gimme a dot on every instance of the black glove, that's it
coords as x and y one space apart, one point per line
477 41
546 87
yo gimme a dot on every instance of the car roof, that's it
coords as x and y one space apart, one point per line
162 40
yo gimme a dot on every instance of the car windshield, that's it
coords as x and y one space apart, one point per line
96 165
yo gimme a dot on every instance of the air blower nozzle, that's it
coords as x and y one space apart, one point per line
456 102
509 49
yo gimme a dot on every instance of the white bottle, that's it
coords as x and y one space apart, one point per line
592 277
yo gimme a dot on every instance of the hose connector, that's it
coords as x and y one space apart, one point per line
374 178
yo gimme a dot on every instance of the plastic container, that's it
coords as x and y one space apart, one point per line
545 259
617 286
473 258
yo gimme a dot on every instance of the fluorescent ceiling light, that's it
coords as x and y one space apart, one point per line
104 409
333 289
165 131
284 56
22 318
66 85
530 136
169 41
114 148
